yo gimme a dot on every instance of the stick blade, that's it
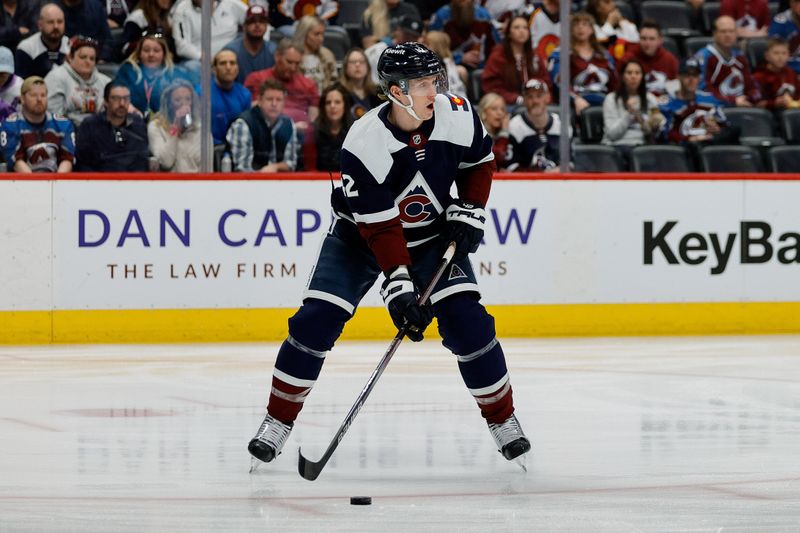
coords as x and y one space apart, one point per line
308 469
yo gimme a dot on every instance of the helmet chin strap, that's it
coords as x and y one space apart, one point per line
409 108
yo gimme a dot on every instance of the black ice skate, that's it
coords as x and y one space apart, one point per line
510 439
269 440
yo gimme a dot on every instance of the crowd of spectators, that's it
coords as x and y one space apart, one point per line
92 85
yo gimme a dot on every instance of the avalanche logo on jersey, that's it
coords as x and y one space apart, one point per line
456 273
695 122
733 84
656 82
417 203
592 79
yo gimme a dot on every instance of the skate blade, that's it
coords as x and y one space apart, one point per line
522 462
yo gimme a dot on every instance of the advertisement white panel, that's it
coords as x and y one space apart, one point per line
25 230
240 244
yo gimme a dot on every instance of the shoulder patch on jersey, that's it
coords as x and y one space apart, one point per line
452 125
367 139
457 103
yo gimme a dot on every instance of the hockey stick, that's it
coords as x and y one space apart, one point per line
310 470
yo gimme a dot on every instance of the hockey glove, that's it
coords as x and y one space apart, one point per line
465 224
400 297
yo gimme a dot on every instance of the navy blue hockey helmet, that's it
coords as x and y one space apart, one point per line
407 61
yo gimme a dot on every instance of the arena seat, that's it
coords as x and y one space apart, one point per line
731 158
597 158
660 158
784 159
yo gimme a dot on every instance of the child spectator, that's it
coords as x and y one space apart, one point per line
494 115
76 87
356 79
787 25
512 63
778 82
263 139
39 53
149 15
252 51
10 84
174 132
613 31
381 16
318 63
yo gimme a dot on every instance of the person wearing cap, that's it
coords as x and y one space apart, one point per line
381 17
226 17
472 34
113 140
45 49
10 84
318 62
512 63
536 133
34 140
76 87
694 117
407 29
254 50
725 68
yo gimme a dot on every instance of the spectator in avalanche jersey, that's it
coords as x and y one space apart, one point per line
512 63
472 34
726 71
545 30
33 140
695 118
659 64
779 84
787 25
591 67
535 134
613 31
751 16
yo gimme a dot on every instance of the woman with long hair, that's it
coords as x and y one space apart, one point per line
356 79
592 72
75 88
630 114
511 63
147 15
318 62
174 132
148 70
494 115
330 129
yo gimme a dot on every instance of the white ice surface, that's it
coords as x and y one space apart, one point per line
635 434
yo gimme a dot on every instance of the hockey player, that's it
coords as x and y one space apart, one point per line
399 162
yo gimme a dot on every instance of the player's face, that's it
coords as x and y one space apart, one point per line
423 91
650 41
334 106
495 114
777 56
83 61
35 100
314 38
226 67
536 101
632 77
151 55
271 104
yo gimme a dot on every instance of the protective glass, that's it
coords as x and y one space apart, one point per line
434 84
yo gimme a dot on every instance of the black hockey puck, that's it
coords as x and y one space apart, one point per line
360 500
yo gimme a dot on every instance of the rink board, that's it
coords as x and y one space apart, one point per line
203 259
